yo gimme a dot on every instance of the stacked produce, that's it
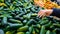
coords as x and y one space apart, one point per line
48 4
20 17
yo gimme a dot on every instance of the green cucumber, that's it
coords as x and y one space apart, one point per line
54 31
1 31
44 22
27 32
20 14
14 21
4 21
48 25
37 30
34 14
33 32
27 16
42 31
31 29
24 28
1 0
38 26
13 26
48 32
8 32
25 4
57 25
25 21
20 32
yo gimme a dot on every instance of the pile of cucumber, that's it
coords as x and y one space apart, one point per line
20 17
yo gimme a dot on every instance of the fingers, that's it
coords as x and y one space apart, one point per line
41 13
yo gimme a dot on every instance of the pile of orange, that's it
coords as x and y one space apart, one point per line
48 4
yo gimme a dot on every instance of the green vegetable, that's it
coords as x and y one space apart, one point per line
34 14
15 25
15 21
8 32
48 32
48 25
1 31
21 17
4 21
24 28
20 32
27 32
1 0
30 29
42 30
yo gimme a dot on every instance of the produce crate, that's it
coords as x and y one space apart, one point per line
20 17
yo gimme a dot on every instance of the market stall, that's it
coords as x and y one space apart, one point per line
20 17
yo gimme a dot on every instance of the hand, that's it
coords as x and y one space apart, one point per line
45 12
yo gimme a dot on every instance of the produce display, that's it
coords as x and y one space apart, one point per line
20 17
48 4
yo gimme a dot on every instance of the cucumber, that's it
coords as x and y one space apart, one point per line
19 18
3 4
27 32
37 31
13 26
17 10
48 32
20 32
29 6
32 9
30 22
25 4
54 31
8 32
1 31
27 16
33 32
25 21
30 29
1 0
21 29
37 26
14 21
28 10
4 21
57 25
48 25
34 14
44 22
42 31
